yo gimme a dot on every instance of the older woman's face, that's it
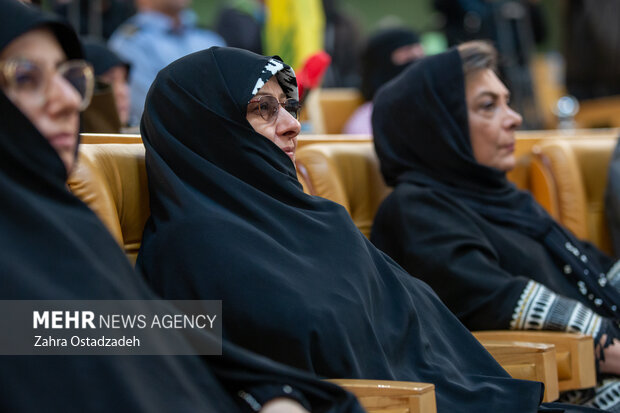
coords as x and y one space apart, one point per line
492 122
283 129
56 116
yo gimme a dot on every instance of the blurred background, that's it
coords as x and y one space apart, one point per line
559 58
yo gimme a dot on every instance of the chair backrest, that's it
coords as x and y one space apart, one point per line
87 138
111 180
603 112
569 177
347 173
329 109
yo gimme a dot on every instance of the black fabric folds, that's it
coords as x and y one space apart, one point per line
55 248
462 226
299 283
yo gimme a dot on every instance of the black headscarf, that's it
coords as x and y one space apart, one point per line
55 248
422 137
299 282
101 57
377 64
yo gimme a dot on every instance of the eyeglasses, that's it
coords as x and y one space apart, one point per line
268 107
28 81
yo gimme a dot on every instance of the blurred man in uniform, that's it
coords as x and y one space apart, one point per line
161 32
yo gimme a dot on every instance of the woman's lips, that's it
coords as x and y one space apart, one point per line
509 147
289 151
62 140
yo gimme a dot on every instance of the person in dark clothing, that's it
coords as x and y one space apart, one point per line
95 18
55 248
241 24
444 134
592 48
108 111
299 283
387 53
343 42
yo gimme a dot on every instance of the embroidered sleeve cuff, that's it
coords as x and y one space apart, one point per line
539 308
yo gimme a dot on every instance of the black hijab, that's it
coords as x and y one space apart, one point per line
422 137
55 248
377 64
299 282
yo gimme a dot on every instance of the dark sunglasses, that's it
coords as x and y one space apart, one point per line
268 107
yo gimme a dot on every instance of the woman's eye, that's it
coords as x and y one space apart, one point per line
26 80
253 108
487 106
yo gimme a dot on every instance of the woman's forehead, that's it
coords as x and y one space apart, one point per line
484 81
273 88
39 44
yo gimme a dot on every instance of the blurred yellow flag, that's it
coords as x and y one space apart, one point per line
294 29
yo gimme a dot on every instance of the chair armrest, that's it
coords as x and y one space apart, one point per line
386 396
574 354
527 361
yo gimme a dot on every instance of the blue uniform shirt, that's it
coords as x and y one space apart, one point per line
150 41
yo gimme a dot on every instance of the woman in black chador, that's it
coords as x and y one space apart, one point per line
298 282
444 133
54 248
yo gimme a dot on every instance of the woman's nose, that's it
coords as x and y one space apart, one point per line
287 125
61 95
513 119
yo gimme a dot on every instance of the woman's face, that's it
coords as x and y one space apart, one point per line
56 115
117 78
283 129
492 122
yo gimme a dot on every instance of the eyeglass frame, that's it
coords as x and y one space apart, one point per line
258 99
8 69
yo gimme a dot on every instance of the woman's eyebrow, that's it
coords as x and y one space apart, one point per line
282 95
485 93
492 95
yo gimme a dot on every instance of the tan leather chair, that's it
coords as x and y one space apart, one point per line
111 180
329 109
569 177
521 175
348 173
601 112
